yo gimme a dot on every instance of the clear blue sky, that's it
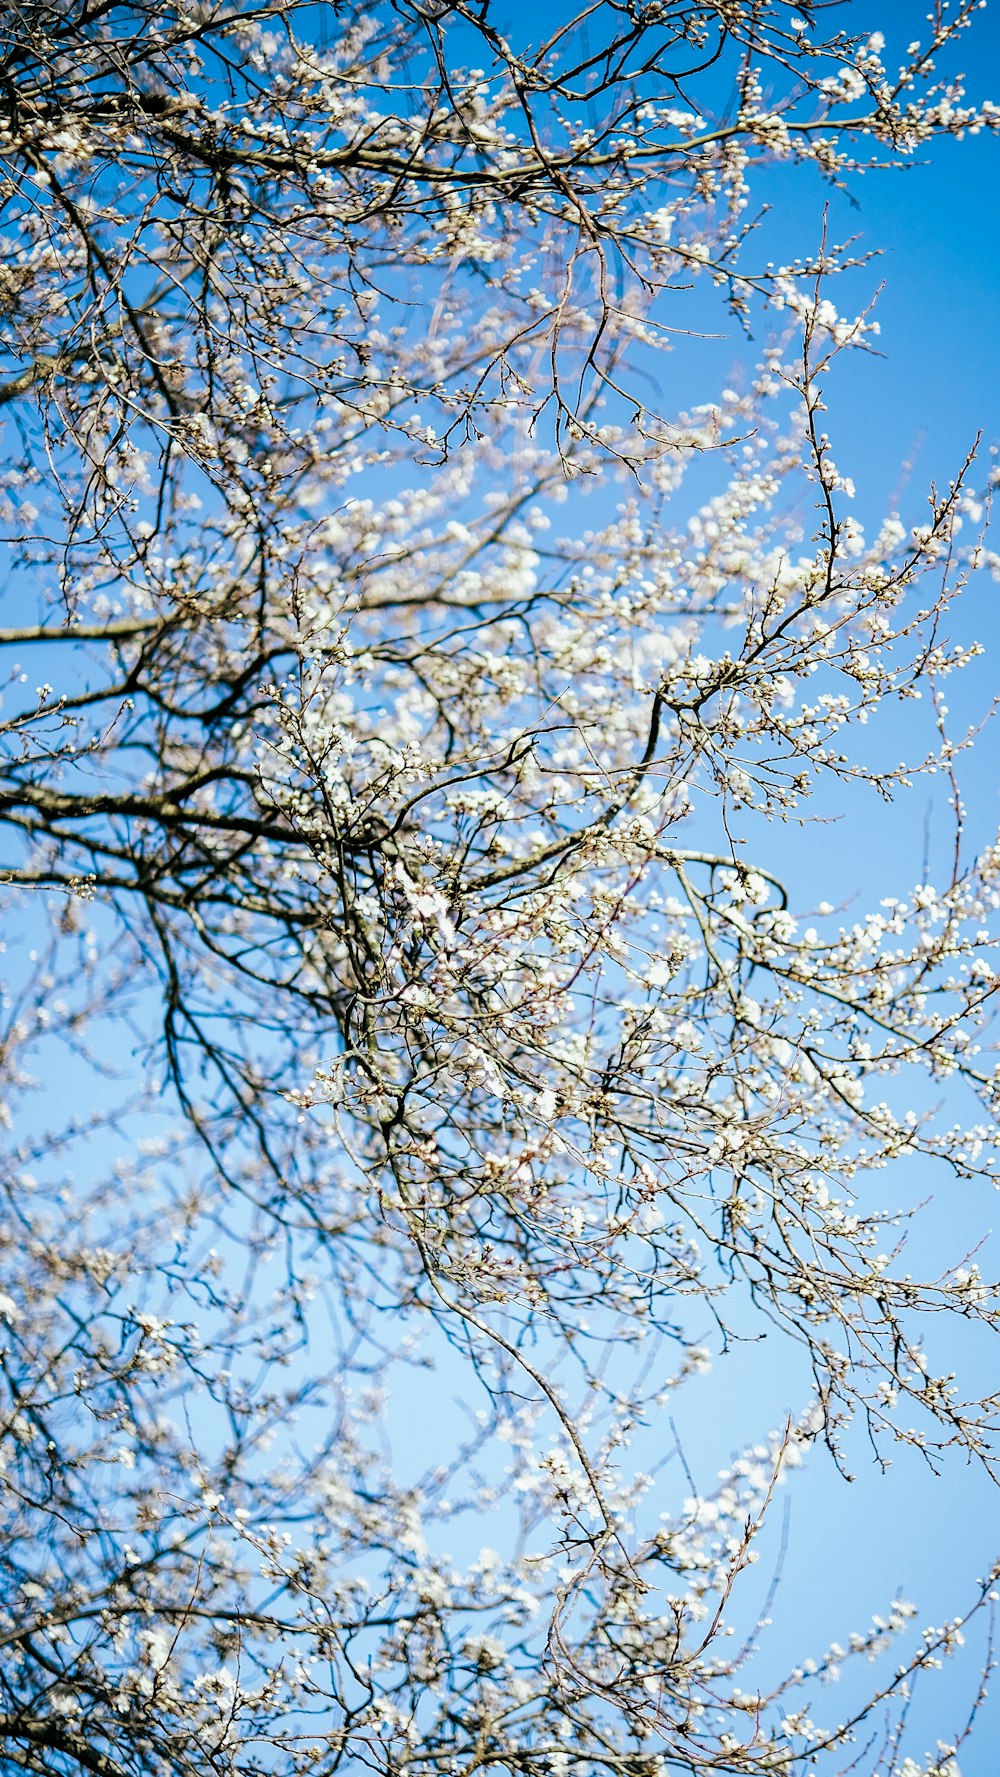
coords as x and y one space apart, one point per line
853 1547
920 405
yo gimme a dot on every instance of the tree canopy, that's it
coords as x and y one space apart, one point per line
409 707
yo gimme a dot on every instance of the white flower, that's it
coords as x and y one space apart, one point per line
662 223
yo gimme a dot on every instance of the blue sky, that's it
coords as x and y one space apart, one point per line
852 1547
897 421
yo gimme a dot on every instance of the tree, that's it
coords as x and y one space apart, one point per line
396 830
